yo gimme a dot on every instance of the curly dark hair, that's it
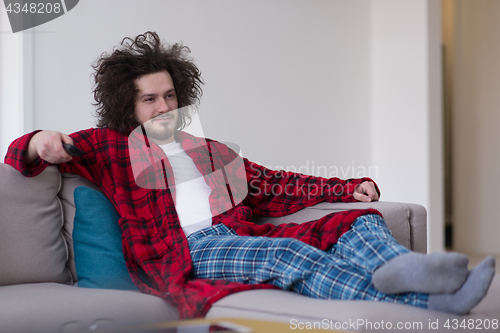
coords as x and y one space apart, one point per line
115 91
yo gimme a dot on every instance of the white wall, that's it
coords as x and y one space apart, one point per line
334 88
476 157
286 80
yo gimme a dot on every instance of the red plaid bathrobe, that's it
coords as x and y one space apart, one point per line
152 236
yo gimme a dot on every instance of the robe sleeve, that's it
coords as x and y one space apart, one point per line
84 166
279 193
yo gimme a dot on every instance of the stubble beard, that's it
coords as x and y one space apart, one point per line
158 132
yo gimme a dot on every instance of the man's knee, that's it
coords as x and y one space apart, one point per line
293 247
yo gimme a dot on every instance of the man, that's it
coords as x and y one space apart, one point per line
196 253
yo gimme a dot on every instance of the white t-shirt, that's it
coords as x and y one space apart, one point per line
192 204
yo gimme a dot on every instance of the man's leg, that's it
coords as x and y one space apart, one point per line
293 265
286 263
370 245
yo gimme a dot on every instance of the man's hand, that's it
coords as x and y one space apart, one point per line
48 145
366 192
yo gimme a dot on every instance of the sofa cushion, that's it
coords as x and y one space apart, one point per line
97 243
70 182
31 246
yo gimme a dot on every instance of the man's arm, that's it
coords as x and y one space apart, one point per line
48 145
279 193
33 152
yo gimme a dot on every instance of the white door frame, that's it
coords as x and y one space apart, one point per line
16 83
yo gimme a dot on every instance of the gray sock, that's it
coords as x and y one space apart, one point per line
470 294
434 273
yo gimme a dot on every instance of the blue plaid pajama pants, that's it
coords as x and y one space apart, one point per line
343 272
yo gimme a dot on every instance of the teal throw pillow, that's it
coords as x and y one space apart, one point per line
97 243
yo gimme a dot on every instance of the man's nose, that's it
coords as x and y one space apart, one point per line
163 106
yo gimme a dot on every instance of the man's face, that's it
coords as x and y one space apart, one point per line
156 106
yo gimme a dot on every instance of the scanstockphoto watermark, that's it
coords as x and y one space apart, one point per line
298 188
357 324
365 324
25 14
353 170
299 184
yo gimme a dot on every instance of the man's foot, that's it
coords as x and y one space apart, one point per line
470 294
435 273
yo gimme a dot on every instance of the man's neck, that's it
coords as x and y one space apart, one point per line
162 142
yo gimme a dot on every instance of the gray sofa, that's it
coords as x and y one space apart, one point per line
38 291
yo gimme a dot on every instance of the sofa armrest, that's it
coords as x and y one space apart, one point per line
408 222
32 244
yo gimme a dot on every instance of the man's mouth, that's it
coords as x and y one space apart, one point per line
163 118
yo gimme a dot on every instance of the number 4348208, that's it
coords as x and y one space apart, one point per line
476 324
33 8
